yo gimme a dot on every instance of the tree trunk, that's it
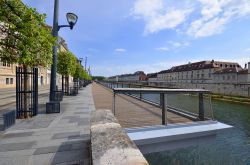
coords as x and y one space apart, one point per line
62 83
66 78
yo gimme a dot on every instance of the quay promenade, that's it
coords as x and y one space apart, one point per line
131 112
51 138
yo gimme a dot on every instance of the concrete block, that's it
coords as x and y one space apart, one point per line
110 144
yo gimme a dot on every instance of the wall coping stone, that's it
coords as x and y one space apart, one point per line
110 144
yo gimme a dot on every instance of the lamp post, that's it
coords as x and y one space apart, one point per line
72 19
54 105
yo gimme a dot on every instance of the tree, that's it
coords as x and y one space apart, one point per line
99 78
25 38
66 66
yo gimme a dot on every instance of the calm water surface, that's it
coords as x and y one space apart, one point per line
231 147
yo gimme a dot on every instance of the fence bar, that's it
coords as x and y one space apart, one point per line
201 107
114 102
163 109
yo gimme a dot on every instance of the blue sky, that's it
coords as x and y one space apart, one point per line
124 36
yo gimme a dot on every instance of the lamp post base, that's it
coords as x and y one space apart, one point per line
53 107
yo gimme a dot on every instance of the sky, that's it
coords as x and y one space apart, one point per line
125 36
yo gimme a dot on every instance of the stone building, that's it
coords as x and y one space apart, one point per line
7 74
220 77
135 77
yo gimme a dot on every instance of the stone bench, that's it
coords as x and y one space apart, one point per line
7 119
109 142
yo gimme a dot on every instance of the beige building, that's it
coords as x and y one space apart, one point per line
137 76
220 77
7 75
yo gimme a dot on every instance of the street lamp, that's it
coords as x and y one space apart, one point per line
72 19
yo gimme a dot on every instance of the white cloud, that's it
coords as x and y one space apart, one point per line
178 44
216 14
120 50
209 17
247 50
157 16
162 49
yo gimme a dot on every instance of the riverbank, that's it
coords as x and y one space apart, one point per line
231 99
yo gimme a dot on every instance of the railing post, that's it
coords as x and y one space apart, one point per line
163 109
122 85
201 107
114 102
140 95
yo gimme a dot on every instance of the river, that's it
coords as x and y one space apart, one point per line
230 147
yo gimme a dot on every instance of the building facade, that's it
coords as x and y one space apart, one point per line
135 77
220 77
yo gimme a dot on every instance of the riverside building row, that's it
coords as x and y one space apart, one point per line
220 77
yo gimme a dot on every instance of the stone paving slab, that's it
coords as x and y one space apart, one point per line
62 138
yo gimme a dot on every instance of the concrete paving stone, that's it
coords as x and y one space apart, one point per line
53 149
15 135
17 153
69 156
51 138
20 160
83 122
16 146
65 135
41 159
82 136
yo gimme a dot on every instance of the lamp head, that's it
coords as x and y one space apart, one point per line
72 19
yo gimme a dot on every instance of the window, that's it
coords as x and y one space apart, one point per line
4 63
233 77
11 80
7 81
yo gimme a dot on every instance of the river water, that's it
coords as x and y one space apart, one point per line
231 147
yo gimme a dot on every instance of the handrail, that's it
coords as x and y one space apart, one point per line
163 99
157 90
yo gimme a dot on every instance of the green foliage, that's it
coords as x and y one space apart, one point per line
66 63
25 38
99 78
81 73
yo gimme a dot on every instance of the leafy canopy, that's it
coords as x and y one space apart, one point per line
25 38
66 63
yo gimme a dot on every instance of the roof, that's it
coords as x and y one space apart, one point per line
152 75
228 70
200 65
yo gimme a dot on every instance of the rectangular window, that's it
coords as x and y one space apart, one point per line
7 81
11 80
4 64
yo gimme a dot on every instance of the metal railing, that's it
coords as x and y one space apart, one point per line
138 92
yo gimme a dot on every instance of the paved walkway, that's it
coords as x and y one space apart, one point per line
51 138
132 112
